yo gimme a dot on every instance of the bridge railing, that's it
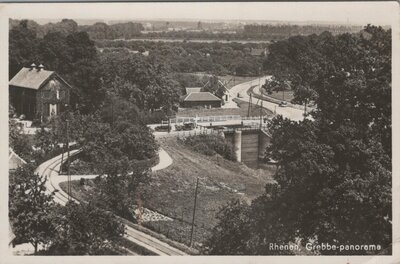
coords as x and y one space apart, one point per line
209 119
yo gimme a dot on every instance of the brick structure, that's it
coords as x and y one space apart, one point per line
38 93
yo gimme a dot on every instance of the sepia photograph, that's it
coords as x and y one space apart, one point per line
201 129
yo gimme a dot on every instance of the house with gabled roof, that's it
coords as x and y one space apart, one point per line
38 94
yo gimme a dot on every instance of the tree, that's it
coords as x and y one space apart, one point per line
30 207
19 142
333 179
276 85
82 229
117 152
145 82
23 47
214 86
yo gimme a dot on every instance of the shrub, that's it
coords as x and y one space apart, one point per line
210 145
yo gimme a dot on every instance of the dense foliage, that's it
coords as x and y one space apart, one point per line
76 229
82 229
214 58
144 82
30 207
210 145
333 183
98 30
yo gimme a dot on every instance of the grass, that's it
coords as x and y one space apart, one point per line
242 110
171 191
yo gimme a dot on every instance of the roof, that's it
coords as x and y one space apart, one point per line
201 97
193 90
30 78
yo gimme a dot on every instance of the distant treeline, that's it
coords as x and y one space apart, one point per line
275 32
98 30
129 30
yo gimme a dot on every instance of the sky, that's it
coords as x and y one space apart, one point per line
378 13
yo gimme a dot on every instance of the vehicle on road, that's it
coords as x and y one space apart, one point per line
283 104
185 126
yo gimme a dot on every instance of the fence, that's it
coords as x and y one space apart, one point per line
209 119
202 130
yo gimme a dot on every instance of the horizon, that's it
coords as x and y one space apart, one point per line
343 13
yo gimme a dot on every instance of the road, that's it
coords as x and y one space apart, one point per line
287 112
50 170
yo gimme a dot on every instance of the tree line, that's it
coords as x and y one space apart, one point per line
99 30
214 58
281 31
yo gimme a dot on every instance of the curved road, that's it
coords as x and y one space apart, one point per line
50 169
287 112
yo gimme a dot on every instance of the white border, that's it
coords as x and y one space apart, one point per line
373 12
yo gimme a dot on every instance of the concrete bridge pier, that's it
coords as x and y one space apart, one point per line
237 145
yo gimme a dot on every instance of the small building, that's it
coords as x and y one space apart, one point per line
38 94
201 99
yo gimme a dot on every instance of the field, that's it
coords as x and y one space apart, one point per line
242 110
171 191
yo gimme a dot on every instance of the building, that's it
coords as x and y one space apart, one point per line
38 94
201 99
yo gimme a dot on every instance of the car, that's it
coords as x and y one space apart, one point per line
185 126
283 104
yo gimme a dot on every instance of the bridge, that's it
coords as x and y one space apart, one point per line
248 135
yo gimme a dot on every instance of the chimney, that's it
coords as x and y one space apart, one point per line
40 67
33 66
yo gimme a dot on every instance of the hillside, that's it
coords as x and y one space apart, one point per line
171 190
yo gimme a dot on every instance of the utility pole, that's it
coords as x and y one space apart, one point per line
194 212
249 108
112 113
68 174
261 108
305 107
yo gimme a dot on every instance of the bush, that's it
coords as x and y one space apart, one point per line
210 145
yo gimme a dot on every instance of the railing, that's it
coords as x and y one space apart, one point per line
209 119
202 130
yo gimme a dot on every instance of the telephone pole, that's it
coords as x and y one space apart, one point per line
261 116
68 161
249 108
194 212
